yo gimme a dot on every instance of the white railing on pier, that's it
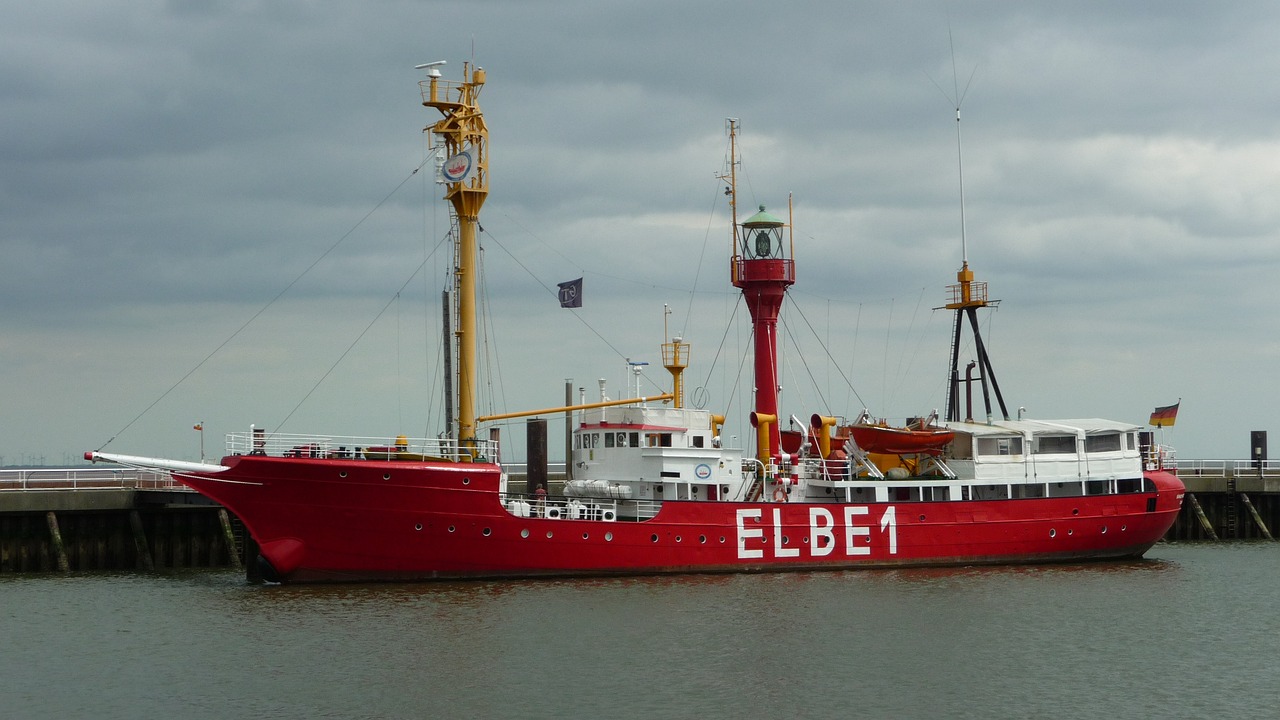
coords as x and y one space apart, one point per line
346 446
1198 468
1222 469
1254 468
87 479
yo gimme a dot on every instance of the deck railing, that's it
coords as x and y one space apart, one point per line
340 446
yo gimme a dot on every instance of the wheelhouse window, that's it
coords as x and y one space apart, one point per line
658 439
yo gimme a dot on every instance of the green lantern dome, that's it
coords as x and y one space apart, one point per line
762 219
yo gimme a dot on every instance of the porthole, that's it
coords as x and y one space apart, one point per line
1053 533
721 539
386 476
653 537
524 533
452 528
921 518
466 481
1123 528
1104 529
549 534
1071 532
584 536
418 526
608 537
677 538
786 540
1075 511
487 532
702 539
342 474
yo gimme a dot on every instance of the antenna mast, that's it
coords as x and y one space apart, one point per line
966 295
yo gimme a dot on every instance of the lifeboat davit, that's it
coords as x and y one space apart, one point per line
888 440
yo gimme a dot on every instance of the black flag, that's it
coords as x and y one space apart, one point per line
571 294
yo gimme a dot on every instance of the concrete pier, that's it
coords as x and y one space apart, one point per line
75 520
1235 500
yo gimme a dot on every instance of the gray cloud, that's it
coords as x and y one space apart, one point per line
169 169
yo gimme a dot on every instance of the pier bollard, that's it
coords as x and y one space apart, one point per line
59 550
140 541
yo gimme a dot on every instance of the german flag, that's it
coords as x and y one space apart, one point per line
1165 416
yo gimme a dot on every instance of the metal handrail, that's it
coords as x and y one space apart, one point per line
296 445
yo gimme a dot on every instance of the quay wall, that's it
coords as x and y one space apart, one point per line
90 519
1228 500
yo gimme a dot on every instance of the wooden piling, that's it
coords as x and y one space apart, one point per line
140 542
1204 521
1257 519
58 548
231 538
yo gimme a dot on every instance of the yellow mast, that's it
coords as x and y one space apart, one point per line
466 172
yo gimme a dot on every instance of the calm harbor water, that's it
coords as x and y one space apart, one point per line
1188 632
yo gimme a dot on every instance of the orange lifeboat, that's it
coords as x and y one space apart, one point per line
886 440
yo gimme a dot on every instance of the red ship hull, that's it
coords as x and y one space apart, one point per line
352 520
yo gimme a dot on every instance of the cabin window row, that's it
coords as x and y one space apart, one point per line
1055 444
590 441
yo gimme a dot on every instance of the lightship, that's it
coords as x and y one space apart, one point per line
654 489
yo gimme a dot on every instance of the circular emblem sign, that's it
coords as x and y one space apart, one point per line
703 471
457 167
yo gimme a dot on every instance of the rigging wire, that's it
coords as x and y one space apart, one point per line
706 240
555 294
800 311
355 342
270 303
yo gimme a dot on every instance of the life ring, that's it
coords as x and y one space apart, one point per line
780 493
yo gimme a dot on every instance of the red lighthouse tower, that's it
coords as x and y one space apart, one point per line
762 267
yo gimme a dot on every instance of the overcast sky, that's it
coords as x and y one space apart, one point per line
170 169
